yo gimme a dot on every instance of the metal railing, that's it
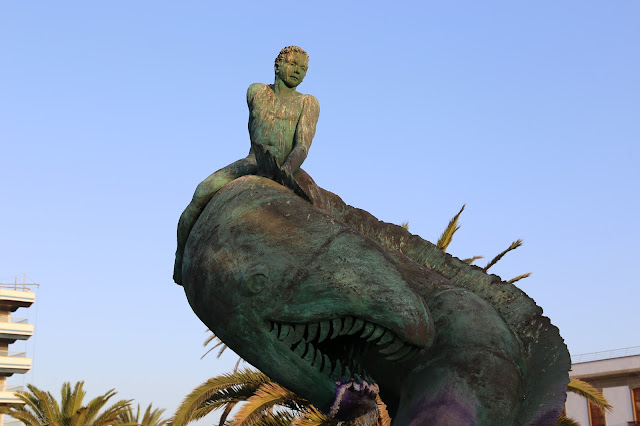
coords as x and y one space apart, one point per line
599 356
13 354
18 286
14 388
14 320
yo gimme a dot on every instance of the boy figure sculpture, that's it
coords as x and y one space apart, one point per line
283 122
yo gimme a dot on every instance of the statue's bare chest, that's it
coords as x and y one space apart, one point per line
270 108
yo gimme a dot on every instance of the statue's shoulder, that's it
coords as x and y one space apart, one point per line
255 88
311 104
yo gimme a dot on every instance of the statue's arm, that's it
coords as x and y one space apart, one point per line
303 137
251 94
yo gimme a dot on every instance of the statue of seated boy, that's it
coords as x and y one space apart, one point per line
282 123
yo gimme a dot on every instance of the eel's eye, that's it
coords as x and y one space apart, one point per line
256 282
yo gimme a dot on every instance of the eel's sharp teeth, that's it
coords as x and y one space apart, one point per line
346 326
300 348
325 327
284 331
357 380
312 331
347 372
387 337
311 353
376 334
326 365
337 371
411 354
357 326
337 327
394 347
368 378
317 361
298 333
400 353
368 329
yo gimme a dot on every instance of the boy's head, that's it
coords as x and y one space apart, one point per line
291 65
290 49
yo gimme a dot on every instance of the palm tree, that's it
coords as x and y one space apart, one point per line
592 396
151 417
41 408
260 401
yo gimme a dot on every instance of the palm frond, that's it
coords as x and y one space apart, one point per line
218 343
153 417
566 421
281 418
519 277
209 338
514 245
235 367
383 414
311 416
470 260
127 418
447 235
266 397
590 393
222 349
71 401
226 412
224 399
215 393
48 407
19 413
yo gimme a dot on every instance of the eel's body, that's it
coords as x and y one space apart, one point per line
332 303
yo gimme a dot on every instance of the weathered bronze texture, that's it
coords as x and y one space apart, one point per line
337 306
281 120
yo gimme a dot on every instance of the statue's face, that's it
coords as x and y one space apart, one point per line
292 69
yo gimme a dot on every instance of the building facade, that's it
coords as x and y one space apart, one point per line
12 329
616 374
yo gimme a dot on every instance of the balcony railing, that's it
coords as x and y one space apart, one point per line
13 354
14 320
14 388
18 286
599 356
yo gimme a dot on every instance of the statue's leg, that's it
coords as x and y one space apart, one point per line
204 192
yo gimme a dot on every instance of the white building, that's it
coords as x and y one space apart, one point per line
616 374
12 297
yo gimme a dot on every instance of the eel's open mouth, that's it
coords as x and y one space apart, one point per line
337 347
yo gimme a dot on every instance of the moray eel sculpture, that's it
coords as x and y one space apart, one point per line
337 307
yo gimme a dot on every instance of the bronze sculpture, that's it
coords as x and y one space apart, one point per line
338 306
281 120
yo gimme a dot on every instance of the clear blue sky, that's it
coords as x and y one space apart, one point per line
112 112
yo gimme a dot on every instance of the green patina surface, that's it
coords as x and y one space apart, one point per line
281 120
332 303
270 274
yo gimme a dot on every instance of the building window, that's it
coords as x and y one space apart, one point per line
636 404
596 416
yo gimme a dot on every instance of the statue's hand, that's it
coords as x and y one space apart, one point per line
286 169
